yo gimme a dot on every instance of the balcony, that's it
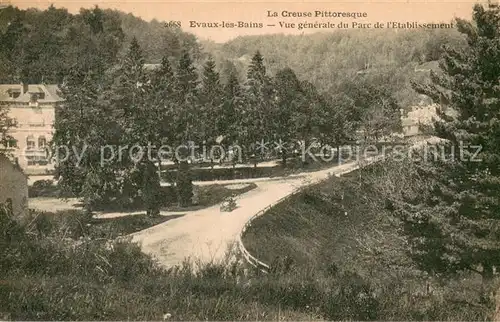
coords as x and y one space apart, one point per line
36 124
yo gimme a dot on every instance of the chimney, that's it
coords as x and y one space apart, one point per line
25 88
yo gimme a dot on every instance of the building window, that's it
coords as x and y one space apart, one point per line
30 142
11 143
42 142
11 122
14 93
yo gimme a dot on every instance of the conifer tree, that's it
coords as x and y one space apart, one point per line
186 124
456 225
229 123
210 100
287 113
84 124
128 98
163 104
259 99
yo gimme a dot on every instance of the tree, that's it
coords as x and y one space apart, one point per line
84 124
6 124
100 37
456 225
101 114
377 109
287 111
229 117
210 100
142 111
186 123
314 119
338 123
259 100
163 108
8 51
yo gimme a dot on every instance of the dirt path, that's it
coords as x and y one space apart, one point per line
205 235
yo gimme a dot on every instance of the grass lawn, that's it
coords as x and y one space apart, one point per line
207 196
75 224
314 230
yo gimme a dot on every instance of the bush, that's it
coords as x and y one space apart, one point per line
225 173
43 188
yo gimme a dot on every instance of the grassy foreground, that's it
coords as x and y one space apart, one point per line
340 268
344 225
46 275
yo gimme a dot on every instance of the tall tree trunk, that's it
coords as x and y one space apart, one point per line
151 189
184 183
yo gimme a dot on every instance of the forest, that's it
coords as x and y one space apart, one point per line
242 90
331 61
330 88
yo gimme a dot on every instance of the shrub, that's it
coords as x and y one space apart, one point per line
43 188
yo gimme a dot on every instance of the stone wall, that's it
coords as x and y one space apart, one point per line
13 187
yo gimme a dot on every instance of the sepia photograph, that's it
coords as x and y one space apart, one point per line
249 161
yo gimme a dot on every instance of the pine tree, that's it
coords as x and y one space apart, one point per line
187 98
128 91
187 123
84 124
129 99
259 99
231 112
210 100
156 120
228 123
257 70
456 225
287 114
163 104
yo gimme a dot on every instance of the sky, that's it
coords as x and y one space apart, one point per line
201 11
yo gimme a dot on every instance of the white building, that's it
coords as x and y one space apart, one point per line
422 114
32 108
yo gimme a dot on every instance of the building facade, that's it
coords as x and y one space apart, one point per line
32 109
422 114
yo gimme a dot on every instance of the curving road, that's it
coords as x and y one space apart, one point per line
205 235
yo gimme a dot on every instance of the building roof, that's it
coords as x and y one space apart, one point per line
428 66
51 92
149 67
